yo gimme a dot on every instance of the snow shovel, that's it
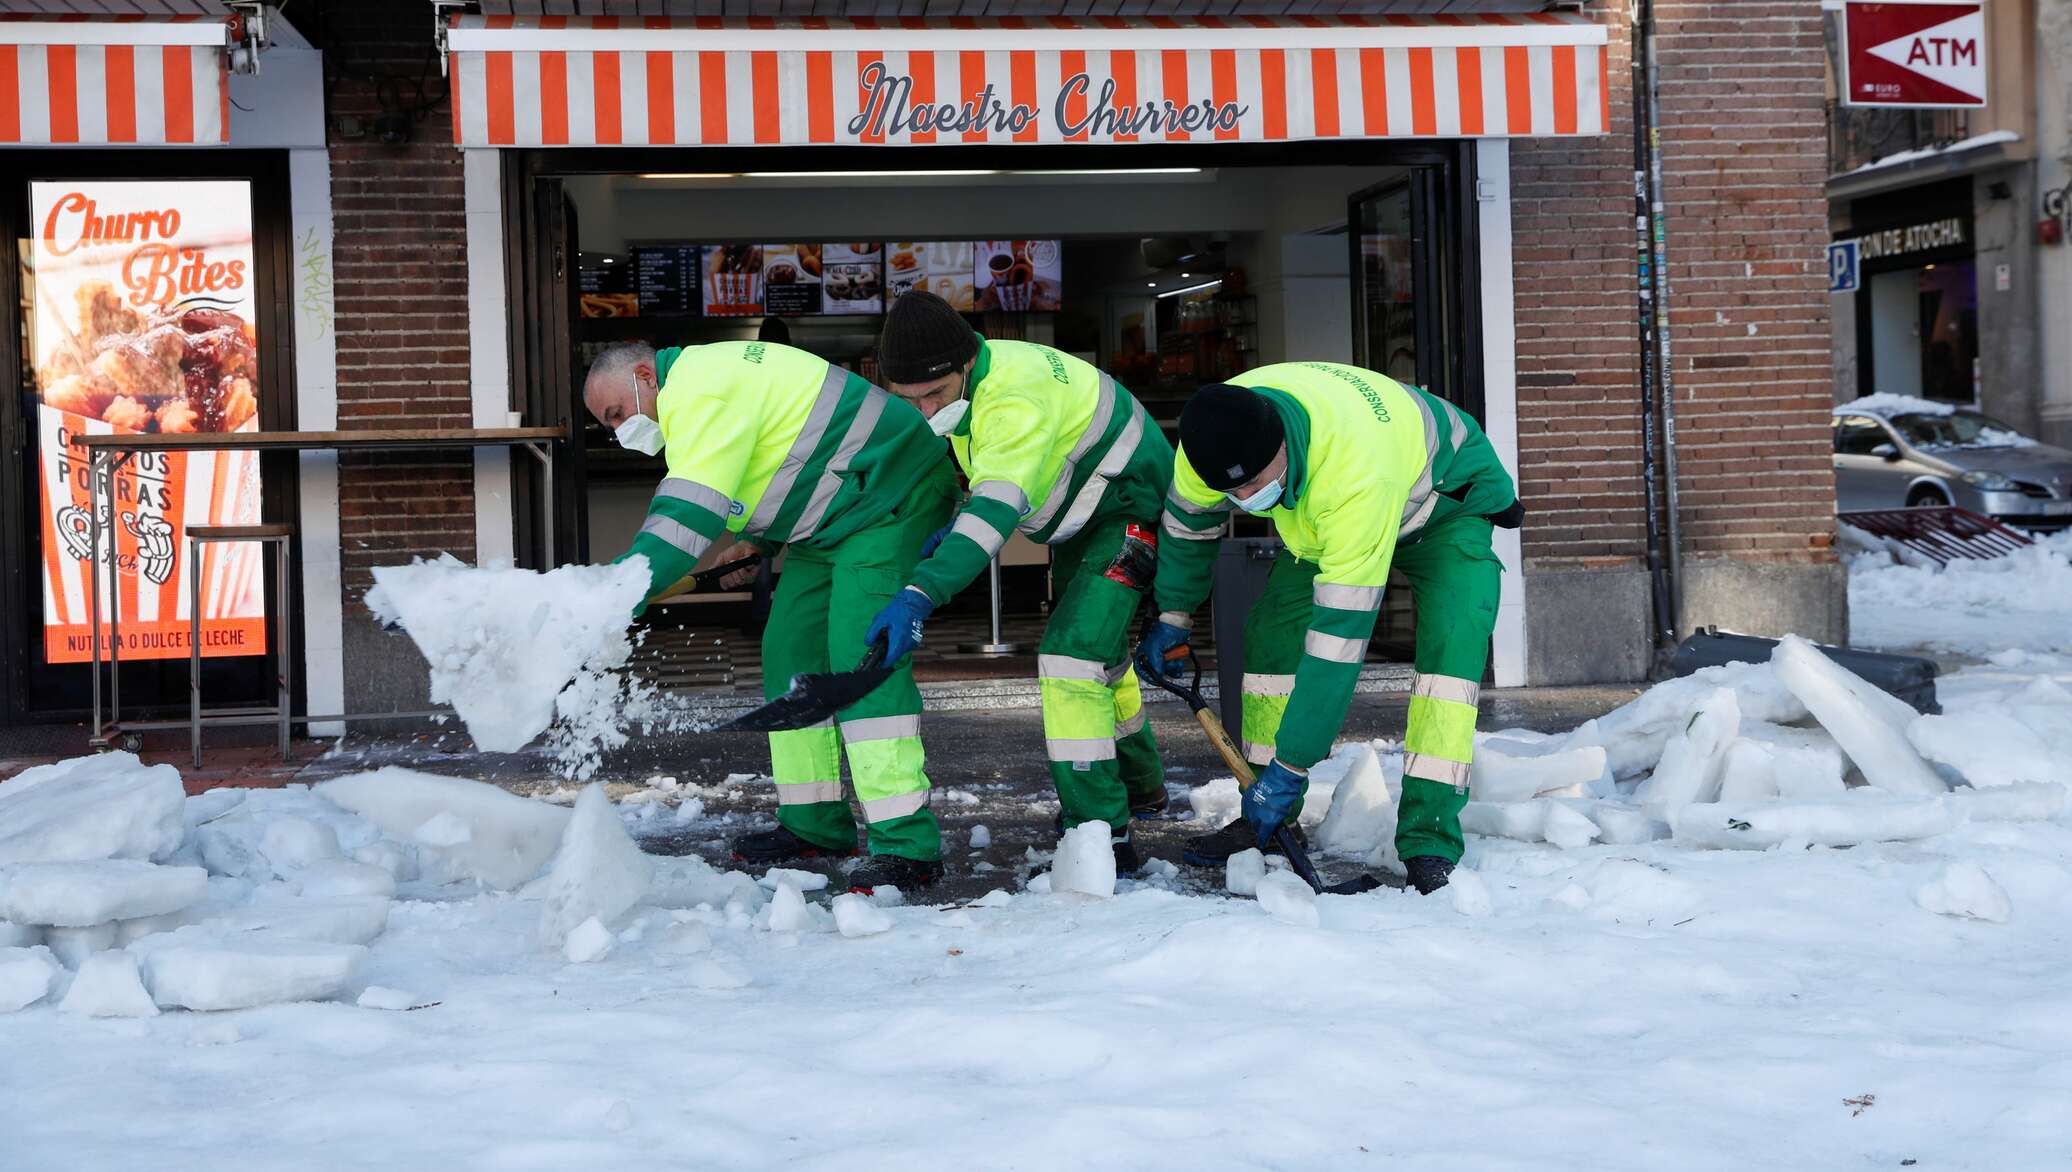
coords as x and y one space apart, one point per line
1298 859
706 581
816 696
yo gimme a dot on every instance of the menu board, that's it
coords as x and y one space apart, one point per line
605 287
667 280
1018 275
943 267
733 280
791 279
853 278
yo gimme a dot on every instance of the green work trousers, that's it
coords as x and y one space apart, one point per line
1103 756
1454 580
825 601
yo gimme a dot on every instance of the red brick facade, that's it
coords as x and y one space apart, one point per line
401 287
1744 167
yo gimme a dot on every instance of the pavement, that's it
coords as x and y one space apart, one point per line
987 766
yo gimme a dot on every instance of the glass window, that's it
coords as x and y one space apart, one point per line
1958 429
1856 435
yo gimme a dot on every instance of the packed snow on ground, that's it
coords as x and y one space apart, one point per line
517 651
1708 979
2020 601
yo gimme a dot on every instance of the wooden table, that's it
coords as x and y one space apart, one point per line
108 453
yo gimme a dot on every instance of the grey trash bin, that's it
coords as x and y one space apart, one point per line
1241 567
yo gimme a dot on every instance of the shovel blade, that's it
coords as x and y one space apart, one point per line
812 698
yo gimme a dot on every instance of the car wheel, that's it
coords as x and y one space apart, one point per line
1927 497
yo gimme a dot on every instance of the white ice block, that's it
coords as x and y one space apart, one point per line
108 985
1857 817
1288 899
1243 870
1990 747
1362 815
192 969
856 915
25 976
1694 759
106 806
1965 889
599 872
82 894
1869 724
1085 861
509 838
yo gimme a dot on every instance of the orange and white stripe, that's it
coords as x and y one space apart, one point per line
551 81
114 81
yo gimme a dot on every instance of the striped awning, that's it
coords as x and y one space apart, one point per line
114 81
605 81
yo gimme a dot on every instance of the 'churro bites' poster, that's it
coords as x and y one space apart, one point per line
144 321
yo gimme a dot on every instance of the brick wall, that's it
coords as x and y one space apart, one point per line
400 257
1744 144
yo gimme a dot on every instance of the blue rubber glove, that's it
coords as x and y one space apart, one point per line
934 541
1155 653
1268 800
899 624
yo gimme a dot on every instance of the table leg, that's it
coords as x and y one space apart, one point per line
282 600
194 650
93 591
115 594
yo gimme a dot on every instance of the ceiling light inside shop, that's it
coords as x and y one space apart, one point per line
1116 171
1191 289
691 175
860 174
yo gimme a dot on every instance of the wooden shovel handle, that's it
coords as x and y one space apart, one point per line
1225 746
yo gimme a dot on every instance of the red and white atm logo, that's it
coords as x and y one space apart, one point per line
1912 54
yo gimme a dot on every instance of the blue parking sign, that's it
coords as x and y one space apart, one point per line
1843 275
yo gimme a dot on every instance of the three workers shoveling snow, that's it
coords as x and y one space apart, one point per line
1359 473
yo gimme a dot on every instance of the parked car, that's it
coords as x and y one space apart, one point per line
1892 451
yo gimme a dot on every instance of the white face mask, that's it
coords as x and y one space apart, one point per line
638 432
1265 499
945 421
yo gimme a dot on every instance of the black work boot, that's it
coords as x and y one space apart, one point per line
769 847
1428 872
1148 807
1212 850
894 871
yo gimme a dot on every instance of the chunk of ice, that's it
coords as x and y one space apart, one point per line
589 941
2026 801
1288 899
787 911
1625 825
398 859
1243 870
290 843
599 874
777 877
1362 815
444 828
509 838
194 969
1506 770
1634 734
1085 861
1989 747
1469 893
856 915
105 806
82 894
383 997
1869 724
25 976
73 945
341 877
1964 888
1694 758
981 838
1856 817
108 985
503 643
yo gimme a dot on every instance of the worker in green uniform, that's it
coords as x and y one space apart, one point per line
780 448
1359 473
1055 449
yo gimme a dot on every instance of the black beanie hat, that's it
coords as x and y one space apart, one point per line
1230 434
924 339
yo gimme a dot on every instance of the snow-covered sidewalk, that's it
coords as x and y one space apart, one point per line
1758 917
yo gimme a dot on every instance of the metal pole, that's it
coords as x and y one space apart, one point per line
194 649
996 646
114 596
282 600
93 562
1665 367
1664 619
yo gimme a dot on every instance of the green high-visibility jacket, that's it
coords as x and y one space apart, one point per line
774 444
1371 463
1050 443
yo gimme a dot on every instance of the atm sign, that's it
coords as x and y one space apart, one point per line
1914 54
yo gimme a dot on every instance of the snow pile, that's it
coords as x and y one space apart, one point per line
1793 752
1288 899
1964 889
2023 599
466 829
515 651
